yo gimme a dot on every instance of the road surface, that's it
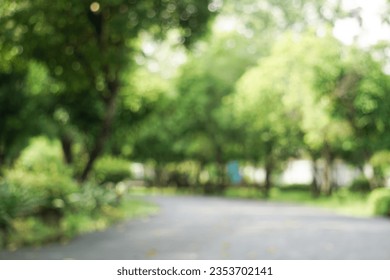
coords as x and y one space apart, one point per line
220 228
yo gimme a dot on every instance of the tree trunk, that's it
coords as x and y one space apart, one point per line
269 168
66 143
158 175
108 96
379 179
2 159
221 173
327 184
104 134
199 174
315 190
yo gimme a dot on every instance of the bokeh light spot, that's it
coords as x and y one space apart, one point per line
95 7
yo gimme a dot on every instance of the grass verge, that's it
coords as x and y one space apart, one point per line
342 201
32 231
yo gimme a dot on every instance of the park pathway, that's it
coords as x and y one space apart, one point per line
220 228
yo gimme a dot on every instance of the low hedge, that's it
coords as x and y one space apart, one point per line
360 184
379 201
111 169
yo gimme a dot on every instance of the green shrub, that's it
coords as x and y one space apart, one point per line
111 169
41 174
16 202
31 231
296 188
53 189
91 198
78 222
360 184
43 156
34 192
41 202
379 201
380 162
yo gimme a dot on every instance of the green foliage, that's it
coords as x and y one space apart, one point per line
16 202
27 231
31 231
61 71
41 172
343 201
79 223
41 202
43 156
194 124
314 96
91 198
262 90
54 187
82 222
111 169
15 122
360 184
379 201
142 100
380 162
82 62
295 188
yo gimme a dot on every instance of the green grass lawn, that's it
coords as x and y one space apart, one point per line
140 191
342 201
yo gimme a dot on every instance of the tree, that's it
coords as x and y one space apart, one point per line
264 112
86 46
204 84
358 95
18 102
153 139
270 19
333 97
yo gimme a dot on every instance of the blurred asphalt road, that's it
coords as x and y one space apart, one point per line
220 228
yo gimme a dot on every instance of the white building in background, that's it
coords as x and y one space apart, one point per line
300 171
297 172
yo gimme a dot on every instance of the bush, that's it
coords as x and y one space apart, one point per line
111 169
380 162
178 179
360 184
43 156
76 223
379 201
214 189
41 175
16 202
79 223
31 231
52 190
91 198
41 202
296 188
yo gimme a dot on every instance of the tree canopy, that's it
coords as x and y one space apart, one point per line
260 82
86 47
